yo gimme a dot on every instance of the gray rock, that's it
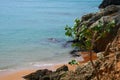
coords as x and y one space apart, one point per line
108 14
63 68
87 16
110 9
53 76
106 3
37 75
100 55
46 74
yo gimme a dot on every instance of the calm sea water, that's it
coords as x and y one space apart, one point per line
27 25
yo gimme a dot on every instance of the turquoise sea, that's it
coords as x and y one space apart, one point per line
27 29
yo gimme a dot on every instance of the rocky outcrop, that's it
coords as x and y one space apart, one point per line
106 66
110 64
106 3
63 68
38 74
106 15
46 74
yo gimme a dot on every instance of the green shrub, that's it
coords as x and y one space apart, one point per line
73 62
87 36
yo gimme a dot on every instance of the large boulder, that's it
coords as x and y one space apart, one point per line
63 68
37 75
106 3
46 74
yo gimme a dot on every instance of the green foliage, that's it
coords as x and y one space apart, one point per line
72 32
102 29
73 62
88 36
68 31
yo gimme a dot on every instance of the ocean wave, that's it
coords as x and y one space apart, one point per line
1 70
37 64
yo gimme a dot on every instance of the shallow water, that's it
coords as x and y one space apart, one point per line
27 25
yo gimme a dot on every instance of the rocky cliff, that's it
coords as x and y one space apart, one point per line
105 15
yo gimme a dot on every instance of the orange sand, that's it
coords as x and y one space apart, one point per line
17 75
85 56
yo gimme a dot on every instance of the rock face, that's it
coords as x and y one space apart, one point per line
106 3
109 13
106 15
38 74
105 67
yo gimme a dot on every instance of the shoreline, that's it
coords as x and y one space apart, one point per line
17 74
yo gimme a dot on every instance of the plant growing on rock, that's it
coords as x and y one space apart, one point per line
73 62
87 36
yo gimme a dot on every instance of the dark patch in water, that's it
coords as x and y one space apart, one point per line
75 53
54 40
57 41
66 45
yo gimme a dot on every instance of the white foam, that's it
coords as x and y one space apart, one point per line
2 70
42 65
37 64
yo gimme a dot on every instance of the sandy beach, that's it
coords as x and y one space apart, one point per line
18 74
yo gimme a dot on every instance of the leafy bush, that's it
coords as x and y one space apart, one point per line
87 36
73 62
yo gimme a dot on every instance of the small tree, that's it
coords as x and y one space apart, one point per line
87 36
